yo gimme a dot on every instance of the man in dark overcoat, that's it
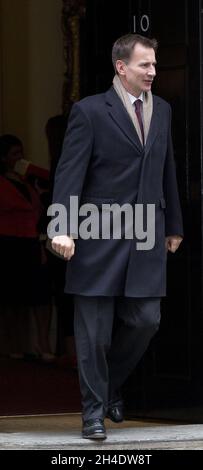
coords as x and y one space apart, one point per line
117 151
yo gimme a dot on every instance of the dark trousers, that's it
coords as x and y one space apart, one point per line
105 361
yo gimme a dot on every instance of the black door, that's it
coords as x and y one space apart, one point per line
169 380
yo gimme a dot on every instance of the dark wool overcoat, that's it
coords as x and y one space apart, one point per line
103 161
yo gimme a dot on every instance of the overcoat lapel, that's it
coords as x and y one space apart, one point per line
155 126
120 116
152 134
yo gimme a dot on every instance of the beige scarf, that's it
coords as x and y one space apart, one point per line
147 107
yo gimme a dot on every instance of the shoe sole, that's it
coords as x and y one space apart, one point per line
115 420
95 436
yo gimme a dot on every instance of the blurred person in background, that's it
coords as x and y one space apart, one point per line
23 286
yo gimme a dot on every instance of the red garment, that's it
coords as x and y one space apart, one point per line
24 168
18 216
37 171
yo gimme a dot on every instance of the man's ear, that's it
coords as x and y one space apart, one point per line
121 67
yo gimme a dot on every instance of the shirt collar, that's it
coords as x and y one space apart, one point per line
133 98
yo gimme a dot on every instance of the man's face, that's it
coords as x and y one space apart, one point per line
137 76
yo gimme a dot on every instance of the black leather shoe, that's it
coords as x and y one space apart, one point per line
115 413
94 429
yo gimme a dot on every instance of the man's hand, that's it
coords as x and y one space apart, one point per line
64 246
173 242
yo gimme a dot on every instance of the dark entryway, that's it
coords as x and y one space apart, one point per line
169 381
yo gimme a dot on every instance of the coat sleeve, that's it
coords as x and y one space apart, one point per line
173 218
73 163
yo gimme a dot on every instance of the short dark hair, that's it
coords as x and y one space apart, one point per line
7 141
123 47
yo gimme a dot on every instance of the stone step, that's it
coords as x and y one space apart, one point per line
63 432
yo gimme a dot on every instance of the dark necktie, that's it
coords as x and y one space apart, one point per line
138 107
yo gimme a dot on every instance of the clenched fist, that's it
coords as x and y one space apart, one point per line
172 243
64 246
